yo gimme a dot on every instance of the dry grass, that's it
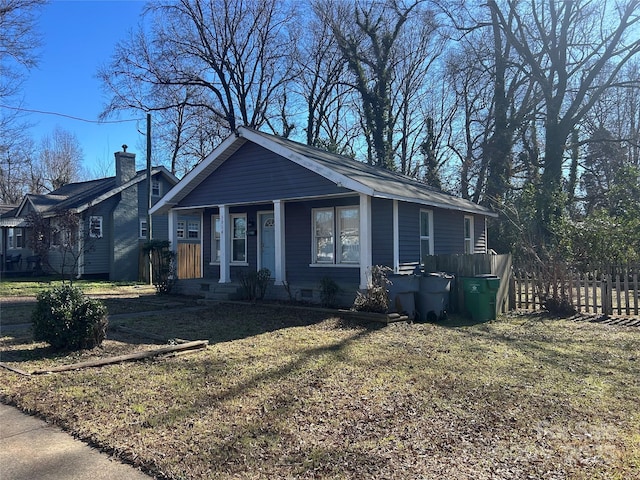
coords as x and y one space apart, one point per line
285 393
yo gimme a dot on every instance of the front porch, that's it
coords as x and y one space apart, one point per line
213 290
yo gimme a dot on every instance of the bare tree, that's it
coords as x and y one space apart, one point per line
231 58
60 159
566 47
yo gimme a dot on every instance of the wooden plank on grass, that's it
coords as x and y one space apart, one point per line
126 358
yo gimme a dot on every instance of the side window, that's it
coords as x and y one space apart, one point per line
95 227
323 235
180 229
155 188
143 229
426 235
468 234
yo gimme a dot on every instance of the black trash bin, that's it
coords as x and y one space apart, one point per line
433 297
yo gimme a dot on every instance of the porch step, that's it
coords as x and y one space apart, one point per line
211 290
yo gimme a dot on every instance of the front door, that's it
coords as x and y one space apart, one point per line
267 242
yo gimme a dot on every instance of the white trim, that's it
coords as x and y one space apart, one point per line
259 213
281 258
430 236
472 238
365 240
201 233
213 260
396 237
334 265
233 216
225 270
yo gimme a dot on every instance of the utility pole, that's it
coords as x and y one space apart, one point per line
149 184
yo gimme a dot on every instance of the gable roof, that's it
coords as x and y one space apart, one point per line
344 171
78 197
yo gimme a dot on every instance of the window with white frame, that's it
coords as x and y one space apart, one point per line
238 238
468 234
193 229
216 230
155 188
426 234
143 228
336 235
180 228
15 239
95 226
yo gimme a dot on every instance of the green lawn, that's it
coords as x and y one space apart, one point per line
288 393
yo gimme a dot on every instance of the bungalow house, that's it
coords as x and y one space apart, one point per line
262 201
110 231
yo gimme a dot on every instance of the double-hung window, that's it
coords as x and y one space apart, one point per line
238 238
193 229
426 234
336 235
215 238
155 188
180 228
95 226
16 239
143 229
468 234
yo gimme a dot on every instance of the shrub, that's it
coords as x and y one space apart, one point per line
163 264
255 284
67 320
376 298
329 290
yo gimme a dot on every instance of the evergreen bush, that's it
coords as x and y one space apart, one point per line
67 320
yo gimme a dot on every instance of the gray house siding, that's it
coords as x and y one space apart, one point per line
409 232
255 174
382 232
125 237
97 256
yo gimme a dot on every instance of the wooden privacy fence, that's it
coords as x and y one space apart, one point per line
189 260
470 266
612 291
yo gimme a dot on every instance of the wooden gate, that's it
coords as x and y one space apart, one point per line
189 260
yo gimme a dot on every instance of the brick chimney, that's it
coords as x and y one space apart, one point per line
125 166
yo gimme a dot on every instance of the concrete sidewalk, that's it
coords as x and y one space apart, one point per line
32 449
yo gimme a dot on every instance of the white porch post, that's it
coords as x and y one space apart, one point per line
396 238
365 240
225 238
278 217
173 221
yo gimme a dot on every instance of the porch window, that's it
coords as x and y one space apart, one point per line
155 188
193 230
16 239
426 234
336 235
180 227
239 238
215 239
143 229
95 227
468 234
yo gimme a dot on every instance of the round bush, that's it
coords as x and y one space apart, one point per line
67 320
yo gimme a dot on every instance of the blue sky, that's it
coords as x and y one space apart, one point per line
78 36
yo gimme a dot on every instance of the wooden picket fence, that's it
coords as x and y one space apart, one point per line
189 260
610 291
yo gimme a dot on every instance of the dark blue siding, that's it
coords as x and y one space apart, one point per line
254 174
409 235
448 226
382 232
298 245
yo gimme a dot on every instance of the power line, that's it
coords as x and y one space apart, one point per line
57 114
